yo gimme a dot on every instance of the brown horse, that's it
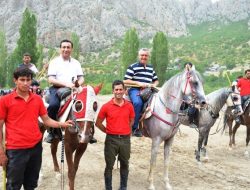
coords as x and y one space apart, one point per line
245 120
81 107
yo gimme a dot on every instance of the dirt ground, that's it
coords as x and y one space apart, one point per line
225 170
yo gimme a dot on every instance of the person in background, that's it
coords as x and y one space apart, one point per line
193 112
139 75
19 111
243 85
27 63
119 115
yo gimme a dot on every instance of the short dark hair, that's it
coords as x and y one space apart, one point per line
248 70
117 82
26 54
65 40
188 63
23 72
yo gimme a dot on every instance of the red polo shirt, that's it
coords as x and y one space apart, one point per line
21 120
244 85
117 117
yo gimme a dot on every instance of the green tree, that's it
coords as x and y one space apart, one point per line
3 58
25 43
76 49
129 49
159 56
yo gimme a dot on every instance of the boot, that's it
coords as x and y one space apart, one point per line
123 180
108 182
50 136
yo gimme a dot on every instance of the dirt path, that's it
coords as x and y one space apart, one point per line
225 170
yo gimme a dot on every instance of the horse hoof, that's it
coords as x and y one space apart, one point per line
246 153
168 187
206 159
151 187
58 176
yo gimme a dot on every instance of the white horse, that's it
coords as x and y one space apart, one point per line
163 123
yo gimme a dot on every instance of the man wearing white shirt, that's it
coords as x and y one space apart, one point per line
27 63
61 71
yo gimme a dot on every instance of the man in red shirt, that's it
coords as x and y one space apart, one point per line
244 85
119 115
19 111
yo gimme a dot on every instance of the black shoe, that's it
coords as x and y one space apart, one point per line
192 125
137 133
49 138
92 140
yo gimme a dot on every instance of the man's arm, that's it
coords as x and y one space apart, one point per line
155 83
52 80
131 122
80 80
3 157
55 124
99 124
129 82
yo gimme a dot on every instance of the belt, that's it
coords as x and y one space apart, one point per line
118 136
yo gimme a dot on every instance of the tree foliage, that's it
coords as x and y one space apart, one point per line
3 58
129 49
25 43
159 57
76 49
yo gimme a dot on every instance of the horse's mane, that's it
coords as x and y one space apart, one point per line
174 81
217 99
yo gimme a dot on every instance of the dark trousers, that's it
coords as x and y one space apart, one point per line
23 167
192 114
54 105
116 146
137 104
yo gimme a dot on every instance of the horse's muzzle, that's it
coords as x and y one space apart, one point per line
82 138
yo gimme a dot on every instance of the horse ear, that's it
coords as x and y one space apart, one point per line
98 88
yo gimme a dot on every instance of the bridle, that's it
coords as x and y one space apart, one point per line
169 110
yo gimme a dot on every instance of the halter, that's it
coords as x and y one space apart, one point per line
170 111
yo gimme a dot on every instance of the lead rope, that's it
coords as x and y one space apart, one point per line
62 162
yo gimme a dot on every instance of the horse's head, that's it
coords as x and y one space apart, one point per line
193 86
234 100
84 110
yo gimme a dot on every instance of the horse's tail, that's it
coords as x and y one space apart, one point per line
224 123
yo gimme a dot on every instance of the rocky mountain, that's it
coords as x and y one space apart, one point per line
100 22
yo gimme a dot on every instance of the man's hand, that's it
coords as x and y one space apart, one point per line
3 159
70 85
68 123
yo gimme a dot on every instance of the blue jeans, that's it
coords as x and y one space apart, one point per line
23 167
54 105
137 103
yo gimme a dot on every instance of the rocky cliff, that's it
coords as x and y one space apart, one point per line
100 22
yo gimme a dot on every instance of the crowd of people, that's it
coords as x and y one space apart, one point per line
21 154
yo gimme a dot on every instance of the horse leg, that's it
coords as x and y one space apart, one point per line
230 123
79 152
204 150
154 150
247 140
53 149
167 146
236 126
200 141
